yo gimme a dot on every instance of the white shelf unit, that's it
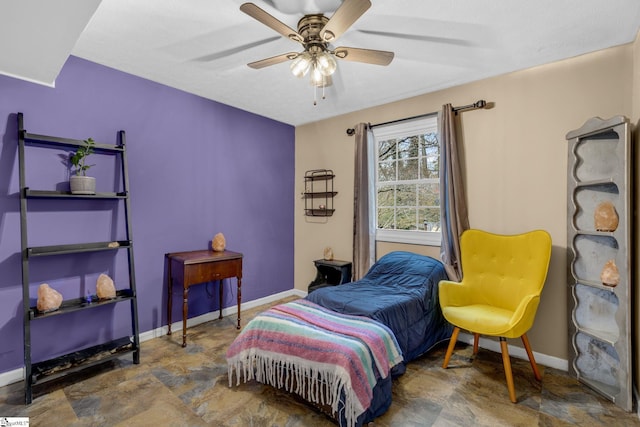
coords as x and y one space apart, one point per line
600 316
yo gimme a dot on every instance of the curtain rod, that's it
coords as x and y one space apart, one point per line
476 105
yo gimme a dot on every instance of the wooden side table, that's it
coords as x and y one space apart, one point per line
195 267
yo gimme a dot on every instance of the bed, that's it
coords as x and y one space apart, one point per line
340 347
400 291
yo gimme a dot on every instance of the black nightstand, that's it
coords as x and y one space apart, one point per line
330 273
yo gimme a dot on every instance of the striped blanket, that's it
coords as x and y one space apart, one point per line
316 353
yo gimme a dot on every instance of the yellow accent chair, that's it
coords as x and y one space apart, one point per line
500 290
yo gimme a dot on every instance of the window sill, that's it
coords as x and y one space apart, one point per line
425 238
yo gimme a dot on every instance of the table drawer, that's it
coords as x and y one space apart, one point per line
205 272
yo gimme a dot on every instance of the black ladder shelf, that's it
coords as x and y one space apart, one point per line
48 370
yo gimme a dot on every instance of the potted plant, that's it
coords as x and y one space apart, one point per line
80 183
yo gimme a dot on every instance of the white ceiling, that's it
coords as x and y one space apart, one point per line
203 46
36 36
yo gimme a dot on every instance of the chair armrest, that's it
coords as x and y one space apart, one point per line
524 316
453 294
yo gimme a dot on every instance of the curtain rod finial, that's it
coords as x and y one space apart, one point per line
351 131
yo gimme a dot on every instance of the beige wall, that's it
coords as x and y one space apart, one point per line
516 159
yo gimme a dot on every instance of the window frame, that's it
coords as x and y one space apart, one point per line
403 129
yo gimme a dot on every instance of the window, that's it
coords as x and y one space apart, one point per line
407 182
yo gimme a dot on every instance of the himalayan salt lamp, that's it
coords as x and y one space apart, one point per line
605 217
610 275
105 289
48 299
218 243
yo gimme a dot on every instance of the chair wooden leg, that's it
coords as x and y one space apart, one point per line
452 344
534 366
476 340
507 369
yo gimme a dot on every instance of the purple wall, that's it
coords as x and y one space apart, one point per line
196 167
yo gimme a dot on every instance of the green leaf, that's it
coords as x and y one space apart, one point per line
78 158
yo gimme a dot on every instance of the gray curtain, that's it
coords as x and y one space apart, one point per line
454 218
363 232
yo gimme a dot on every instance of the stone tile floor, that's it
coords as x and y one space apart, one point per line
175 386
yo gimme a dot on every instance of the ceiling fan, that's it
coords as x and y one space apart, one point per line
315 33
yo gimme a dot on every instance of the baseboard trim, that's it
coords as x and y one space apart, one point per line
11 377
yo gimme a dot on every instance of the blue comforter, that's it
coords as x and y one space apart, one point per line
401 291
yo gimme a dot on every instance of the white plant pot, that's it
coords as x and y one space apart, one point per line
82 184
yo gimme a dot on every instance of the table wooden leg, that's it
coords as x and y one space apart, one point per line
239 299
220 282
169 299
185 308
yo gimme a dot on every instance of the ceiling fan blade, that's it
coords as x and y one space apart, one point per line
343 18
273 60
260 15
369 56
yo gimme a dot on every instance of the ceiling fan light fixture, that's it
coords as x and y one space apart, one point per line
301 64
326 64
317 77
